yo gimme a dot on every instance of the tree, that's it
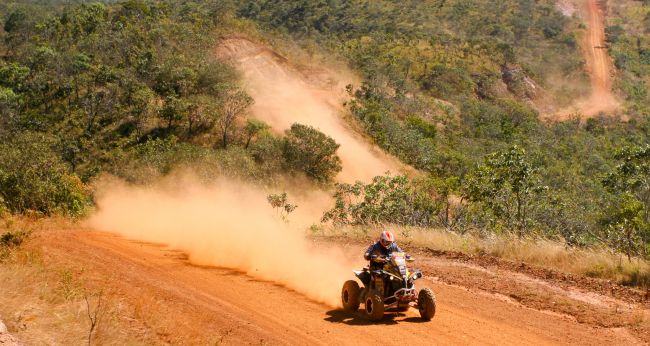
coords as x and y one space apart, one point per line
253 128
387 199
236 102
174 110
312 152
8 103
505 186
32 177
445 189
281 204
631 178
625 226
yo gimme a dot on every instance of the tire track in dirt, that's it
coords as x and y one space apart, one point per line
180 303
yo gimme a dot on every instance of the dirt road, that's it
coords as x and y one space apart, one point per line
598 63
170 301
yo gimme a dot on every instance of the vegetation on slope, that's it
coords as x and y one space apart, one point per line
494 166
628 39
130 88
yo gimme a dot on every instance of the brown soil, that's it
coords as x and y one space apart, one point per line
8 340
163 299
560 279
598 65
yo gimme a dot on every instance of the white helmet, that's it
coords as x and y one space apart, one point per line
386 239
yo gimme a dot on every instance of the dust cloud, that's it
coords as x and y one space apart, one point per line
284 95
230 223
226 224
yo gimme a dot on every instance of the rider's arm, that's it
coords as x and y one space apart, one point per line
367 256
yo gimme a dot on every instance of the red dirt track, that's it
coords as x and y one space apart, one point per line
598 60
175 302
598 65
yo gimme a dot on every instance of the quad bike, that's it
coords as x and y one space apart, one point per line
390 288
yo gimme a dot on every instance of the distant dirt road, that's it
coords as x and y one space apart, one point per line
598 64
598 61
179 303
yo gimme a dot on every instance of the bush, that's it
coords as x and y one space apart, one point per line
13 238
446 82
33 177
387 199
10 240
147 161
312 152
613 33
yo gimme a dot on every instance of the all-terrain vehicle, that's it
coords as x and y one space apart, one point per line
390 288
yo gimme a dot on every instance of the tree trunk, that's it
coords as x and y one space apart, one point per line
447 212
225 139
629 246
520 225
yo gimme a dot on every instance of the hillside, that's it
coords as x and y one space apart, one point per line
482 130
284 95
134 89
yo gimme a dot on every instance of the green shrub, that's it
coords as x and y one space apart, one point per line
148 161
307 150
446 82
33 177
387 199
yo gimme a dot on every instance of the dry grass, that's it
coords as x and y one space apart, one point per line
42 298
594 262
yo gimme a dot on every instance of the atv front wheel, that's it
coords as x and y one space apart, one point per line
374 307
350 296
427 303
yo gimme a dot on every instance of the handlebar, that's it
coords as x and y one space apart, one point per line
384 259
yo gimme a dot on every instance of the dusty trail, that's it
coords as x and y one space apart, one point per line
284 95
179 303
598 62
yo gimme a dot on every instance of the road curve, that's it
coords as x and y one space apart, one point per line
185 304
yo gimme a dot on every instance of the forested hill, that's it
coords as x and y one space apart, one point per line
447 48
453 88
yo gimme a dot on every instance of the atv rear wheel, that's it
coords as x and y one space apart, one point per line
374 307
427 303
350 296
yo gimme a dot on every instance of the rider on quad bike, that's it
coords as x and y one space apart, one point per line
388 283
378 252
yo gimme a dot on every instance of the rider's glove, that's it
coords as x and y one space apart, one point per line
377 258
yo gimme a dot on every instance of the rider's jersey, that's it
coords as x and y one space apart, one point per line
377 249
